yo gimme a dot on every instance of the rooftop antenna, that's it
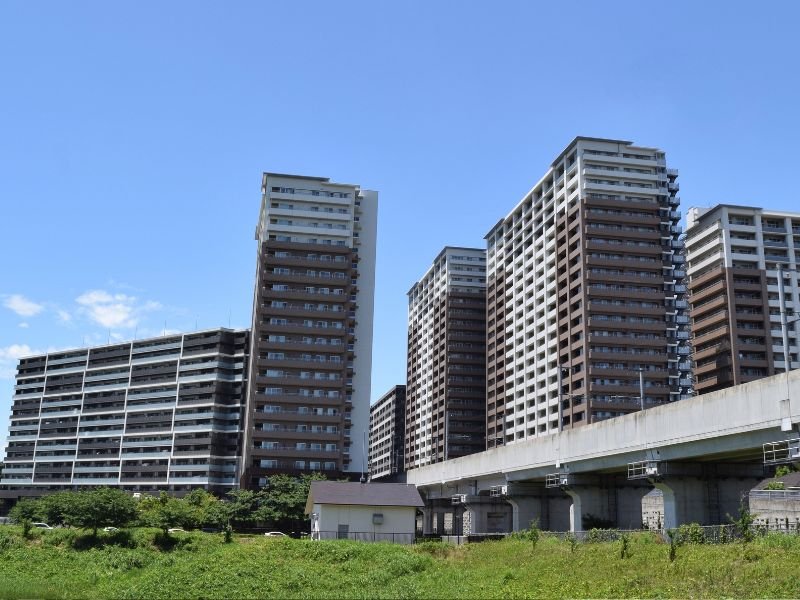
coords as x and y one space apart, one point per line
229 317
135 332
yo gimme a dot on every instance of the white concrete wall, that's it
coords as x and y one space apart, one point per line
362 364
396 519
773 509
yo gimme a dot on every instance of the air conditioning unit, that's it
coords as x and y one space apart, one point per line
651 470
458 499
563 480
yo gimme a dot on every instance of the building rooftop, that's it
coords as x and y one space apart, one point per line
362 494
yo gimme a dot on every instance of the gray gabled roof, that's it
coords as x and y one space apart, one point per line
364 494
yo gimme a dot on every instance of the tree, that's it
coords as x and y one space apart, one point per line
283 502
744 522
242 507
60 508
219 514
166 512
202 505
103 507
25 512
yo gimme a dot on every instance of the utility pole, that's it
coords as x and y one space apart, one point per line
641 387
784 325
560 404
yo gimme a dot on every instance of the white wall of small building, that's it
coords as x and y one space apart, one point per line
359 518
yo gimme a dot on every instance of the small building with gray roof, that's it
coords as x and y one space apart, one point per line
369 512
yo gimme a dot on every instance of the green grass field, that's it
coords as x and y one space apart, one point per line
69 564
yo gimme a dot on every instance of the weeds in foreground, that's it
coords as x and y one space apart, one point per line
203 565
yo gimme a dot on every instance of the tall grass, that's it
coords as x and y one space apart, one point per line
63 564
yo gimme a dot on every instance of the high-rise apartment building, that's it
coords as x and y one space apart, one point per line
309 396
446 385
160 414
386 431
585 290
742 265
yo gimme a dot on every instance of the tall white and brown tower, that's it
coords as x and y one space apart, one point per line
309 394
446 386
586 294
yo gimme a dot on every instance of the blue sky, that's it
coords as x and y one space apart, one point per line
133 136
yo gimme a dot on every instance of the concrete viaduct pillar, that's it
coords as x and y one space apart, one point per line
484 514
610 498
532 502
427 520
704 493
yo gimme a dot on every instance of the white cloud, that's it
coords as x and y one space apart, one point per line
9 355
23 325
114 310
15 352
22 306
64 316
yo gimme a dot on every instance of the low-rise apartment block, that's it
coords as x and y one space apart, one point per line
386 431
160 414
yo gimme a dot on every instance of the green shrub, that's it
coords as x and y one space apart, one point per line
60 537
532 534
744 523
437 549
775 485
724 534
9 539
689 533
673 546
572 540
602 535
624 550
123 559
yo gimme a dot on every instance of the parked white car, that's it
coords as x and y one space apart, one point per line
41 525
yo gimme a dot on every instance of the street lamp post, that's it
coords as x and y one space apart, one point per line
641 371
561 370
784 324
641 387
